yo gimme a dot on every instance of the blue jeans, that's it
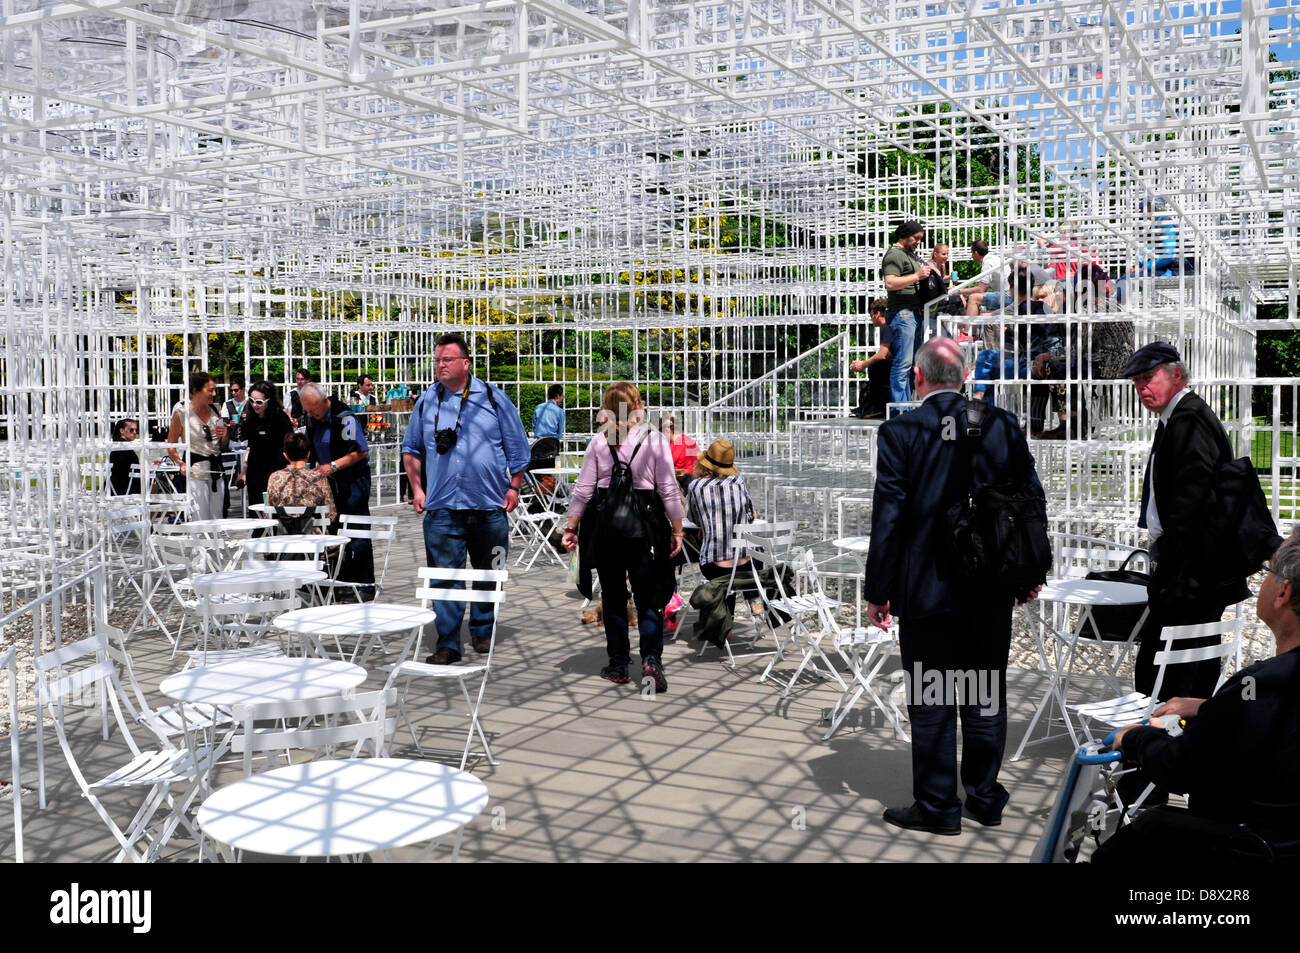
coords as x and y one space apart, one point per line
448 534
908 334
993 365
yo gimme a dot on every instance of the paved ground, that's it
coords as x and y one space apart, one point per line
719 768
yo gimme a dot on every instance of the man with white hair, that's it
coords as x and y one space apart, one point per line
951 630
339 450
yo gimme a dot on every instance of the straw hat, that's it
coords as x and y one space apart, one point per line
719 459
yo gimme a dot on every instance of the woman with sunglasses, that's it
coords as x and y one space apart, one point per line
205 433
265 425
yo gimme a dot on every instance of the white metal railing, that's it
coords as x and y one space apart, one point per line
9 664
756 415
85 572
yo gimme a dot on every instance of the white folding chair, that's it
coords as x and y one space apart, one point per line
799 607
768 545
176 559
169 721
167 776
240 611
9 665
535 529
865 650
451 585
1135 707
377 529
362 721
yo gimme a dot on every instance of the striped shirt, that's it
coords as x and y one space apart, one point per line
717 504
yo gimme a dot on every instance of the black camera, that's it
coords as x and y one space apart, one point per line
445 440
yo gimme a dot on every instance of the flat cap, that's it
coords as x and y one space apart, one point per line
1149 356
907 230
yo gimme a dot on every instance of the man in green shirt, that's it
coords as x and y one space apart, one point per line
903 273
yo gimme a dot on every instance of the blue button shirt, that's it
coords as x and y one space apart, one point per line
548 420
476 473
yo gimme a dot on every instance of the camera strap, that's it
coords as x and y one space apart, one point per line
496 411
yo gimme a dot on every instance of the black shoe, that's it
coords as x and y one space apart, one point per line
984 820
911 819
615 673
444 656
481 646
653 668
1057 433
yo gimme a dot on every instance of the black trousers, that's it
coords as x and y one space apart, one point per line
1189 680
615 566
950 658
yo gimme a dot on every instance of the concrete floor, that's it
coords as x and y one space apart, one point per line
718 768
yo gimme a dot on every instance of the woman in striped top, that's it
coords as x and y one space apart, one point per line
717 502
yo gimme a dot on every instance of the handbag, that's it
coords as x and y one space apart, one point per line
1115 623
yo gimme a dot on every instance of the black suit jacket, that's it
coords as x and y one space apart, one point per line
1194 446
919 473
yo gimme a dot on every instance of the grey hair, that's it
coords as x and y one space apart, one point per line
1285 564
940 361
1176 366
311 387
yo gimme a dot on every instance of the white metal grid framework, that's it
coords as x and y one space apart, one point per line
688 194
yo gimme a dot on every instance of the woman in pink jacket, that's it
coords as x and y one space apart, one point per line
644 555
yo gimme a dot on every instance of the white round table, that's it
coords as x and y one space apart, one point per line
226 527
254 579
1093 592
366 621
1058 664
329 808
305 543
854 544
250 681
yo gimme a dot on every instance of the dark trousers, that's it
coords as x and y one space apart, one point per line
1191 679
615 566
353 498
711 571
968 648
448 536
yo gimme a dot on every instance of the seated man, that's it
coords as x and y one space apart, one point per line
1237 758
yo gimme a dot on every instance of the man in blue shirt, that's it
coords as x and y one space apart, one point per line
465 482
548 416
339 450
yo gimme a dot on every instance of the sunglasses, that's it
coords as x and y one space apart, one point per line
256 402
207 432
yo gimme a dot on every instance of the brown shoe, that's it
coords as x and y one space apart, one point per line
444 656
482 646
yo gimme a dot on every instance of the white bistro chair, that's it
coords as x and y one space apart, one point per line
164 776
437 585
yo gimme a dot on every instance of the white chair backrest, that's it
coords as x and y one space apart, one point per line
435 585
1170 635
9 670
370 728
197 658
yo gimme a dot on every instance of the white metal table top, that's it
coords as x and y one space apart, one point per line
366 618
856 544
235 524
1093 592
250 681
292 543
257 578
328 808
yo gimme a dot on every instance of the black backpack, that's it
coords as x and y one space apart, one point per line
620 511
998 531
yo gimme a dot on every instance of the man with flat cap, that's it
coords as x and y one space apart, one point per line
904 275
1177 491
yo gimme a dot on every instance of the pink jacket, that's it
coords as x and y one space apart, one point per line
652 469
